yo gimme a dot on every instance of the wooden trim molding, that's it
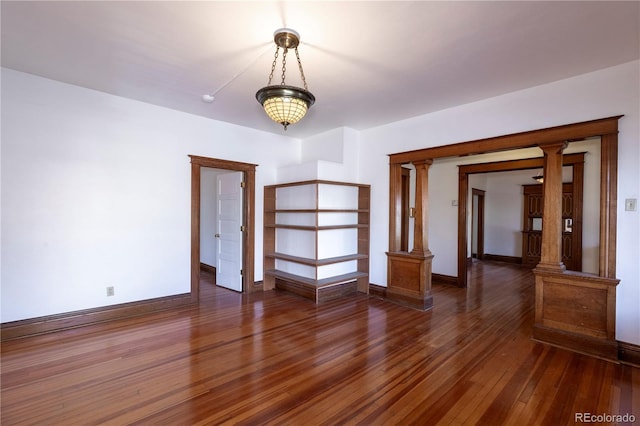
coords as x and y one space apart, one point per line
629 353
501 258
59 322
208 268
195 231
519 164
395 207
249 215
444 279
568 132
586 345
377 290
608 203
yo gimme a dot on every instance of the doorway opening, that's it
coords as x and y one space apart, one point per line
246 234
606 129
528 252
477 223
221 226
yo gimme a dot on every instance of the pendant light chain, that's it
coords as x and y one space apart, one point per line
304 80
284 64
273 66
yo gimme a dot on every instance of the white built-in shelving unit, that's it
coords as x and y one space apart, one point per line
316 238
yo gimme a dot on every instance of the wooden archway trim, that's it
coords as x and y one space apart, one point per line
248 260
567 132
558 319
605 128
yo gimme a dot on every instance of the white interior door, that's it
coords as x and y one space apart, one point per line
229 235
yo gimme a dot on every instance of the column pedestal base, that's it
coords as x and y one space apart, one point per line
409 279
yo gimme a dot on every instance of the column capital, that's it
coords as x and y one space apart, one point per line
553 147
426 161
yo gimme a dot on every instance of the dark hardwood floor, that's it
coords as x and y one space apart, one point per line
274 358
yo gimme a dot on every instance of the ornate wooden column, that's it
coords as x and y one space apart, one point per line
409 274
608 203
420 225
551 256
572 309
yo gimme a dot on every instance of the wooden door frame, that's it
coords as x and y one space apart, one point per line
248 214
406 194
605 128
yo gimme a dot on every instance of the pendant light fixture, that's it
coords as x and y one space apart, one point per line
285 104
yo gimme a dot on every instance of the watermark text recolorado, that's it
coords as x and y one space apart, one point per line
604 418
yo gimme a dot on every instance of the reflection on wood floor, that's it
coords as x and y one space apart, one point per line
274 358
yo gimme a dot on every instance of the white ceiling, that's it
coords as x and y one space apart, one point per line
367 62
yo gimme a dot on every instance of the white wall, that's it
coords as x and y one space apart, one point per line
327 146
504 210
503 213
605 93
332 155
96 193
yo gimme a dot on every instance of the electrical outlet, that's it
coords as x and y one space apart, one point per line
631 204
111 291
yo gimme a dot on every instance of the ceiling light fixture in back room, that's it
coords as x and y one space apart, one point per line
285 104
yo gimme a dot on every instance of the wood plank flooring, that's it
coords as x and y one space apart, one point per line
275 358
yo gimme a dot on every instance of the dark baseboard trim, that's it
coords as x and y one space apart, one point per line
444 279
410 300
51 323
599 348
501 258
629 353
208 268
314 293
377 291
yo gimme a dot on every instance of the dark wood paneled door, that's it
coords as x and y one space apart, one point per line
532 227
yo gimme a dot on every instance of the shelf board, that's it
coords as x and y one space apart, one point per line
316 262
325 282
317 211
316 228
319 181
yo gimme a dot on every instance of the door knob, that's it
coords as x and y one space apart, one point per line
217 235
